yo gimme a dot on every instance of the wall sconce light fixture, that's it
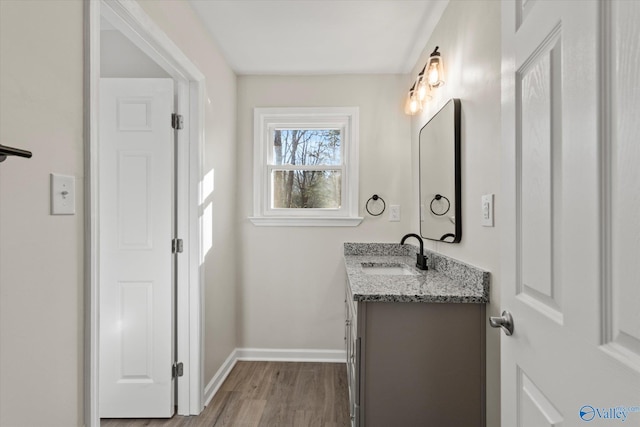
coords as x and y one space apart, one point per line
434 69
422 87
430 77
414 104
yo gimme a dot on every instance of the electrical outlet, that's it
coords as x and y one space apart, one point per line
487 211
394 213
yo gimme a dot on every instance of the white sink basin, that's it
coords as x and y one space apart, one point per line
390 269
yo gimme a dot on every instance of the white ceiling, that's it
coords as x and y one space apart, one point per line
321 36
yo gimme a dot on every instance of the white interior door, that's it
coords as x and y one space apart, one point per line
571 246
136 228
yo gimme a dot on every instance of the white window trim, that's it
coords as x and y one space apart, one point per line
265 119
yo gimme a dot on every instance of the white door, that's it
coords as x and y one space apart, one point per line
571 246
136 223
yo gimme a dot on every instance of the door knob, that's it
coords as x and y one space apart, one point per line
505 322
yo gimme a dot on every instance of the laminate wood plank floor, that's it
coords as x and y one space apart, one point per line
269 394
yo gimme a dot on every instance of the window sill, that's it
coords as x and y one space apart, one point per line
305 221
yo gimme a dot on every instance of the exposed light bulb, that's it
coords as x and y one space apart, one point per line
413 105
423 91
433 75
434 69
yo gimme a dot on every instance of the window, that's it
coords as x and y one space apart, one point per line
306 166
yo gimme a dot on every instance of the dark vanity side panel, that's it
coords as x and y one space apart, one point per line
424 365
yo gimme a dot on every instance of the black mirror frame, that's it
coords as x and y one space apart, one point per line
457 120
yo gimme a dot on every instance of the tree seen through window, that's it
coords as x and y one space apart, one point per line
307 179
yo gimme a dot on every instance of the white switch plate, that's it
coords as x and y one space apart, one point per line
487 211
394 213
63 194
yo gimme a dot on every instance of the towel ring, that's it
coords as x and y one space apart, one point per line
438 197
444 237
374 198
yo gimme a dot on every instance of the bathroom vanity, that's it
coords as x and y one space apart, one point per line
414 339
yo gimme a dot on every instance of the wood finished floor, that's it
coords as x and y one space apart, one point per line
269 394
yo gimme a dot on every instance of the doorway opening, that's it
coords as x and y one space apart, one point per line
126 19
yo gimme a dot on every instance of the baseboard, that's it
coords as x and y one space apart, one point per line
292 355
269 355
212 387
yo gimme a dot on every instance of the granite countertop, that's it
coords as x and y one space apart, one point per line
447 280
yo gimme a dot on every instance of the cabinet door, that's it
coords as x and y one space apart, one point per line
350 353
356 377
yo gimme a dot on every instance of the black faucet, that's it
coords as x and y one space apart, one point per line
421 260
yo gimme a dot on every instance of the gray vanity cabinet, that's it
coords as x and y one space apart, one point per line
415 364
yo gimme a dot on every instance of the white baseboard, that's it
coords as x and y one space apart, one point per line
269 355
212 387
292 355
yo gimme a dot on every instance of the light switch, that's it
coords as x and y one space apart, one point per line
63 194
487 210
394 213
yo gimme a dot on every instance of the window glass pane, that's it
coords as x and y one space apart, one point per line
306 189
307 147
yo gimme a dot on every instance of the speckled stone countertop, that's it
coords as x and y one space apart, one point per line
447 280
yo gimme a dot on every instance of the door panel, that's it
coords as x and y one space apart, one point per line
136 227
622 326
136 311
538 145
572 236
134 213
535 409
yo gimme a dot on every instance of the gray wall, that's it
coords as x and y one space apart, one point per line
41 256
219 216
292 278
469 38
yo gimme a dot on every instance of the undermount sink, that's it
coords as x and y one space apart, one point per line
387 268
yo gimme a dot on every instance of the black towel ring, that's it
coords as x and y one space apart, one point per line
448 235
374 198
438 197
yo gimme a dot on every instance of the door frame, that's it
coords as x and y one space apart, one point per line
129 18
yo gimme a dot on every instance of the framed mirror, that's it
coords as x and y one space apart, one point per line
439 146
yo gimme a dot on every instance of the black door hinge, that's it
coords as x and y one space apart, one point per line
177 370
177 122
177 246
